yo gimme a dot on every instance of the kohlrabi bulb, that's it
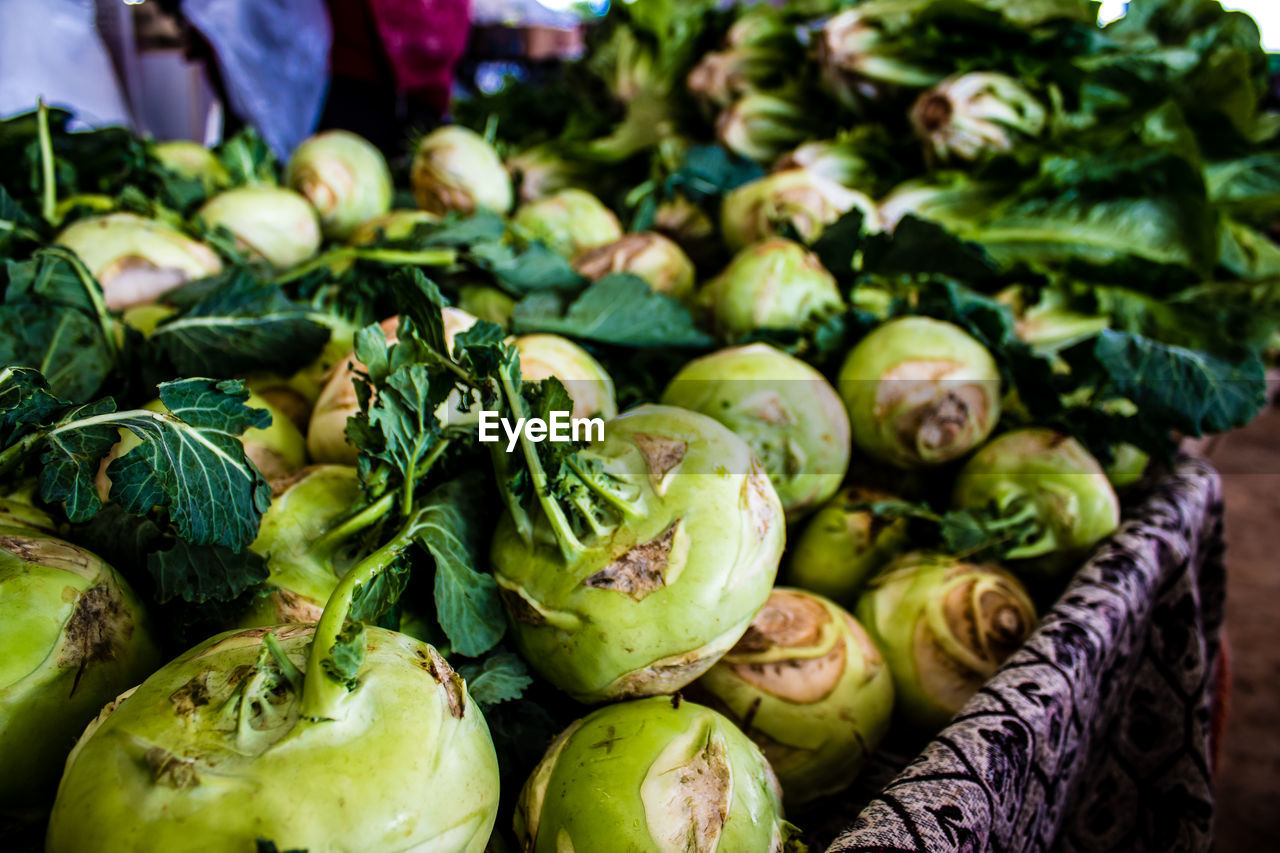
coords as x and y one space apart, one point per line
136 260
193 161
657 774
859 62
588 383
789 414
304 567
569 222
809 686
327 430
657 259
944 626
272 223
844 544
455 169
345 178
776 284
542 170
920 392
977 113
1051 477
486 303
682 555
213 752
799 198
74 635
689 225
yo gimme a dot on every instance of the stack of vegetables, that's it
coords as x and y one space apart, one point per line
910 292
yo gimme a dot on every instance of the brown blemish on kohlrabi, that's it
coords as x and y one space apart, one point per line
640 571
447 678
661 454
99 627
194 694
171 770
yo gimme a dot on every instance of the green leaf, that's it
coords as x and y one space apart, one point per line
466 597
618 309
15 224
535 268
347 655
242 326
189 461
1192 392
375 602
201 573
500 677
248 159
52 318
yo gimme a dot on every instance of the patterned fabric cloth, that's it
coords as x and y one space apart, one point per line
1096 735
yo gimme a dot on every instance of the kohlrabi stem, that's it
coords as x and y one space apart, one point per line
321 693
48 180
400 257
12 457
353 524
609 497
569 543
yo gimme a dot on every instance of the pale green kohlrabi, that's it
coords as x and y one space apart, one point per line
844 544
345 178
776 284
683 545
920 392
569 222
657 259
589 385
798 198
275 224
659 775
784 409
136 260
300 539
72 636
193 161
455 169
1051 478
809 686
944 626
223 747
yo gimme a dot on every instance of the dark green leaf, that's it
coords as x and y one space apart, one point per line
500 677
619 309
466 597
200 573
1190 391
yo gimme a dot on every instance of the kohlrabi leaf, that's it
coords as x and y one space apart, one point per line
241 326
959 532
189 461
248 159
1190 391
500 677
200 573
619 309
466 596
529 270
1248 187
52 318
15 225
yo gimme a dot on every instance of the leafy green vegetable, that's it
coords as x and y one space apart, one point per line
1193 392
189 462
618 309
241 325
501 677
52 318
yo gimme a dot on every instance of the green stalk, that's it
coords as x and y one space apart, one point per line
397 257
569 543
321 695
12 457
49 189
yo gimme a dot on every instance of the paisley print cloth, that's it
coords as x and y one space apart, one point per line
1095 736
